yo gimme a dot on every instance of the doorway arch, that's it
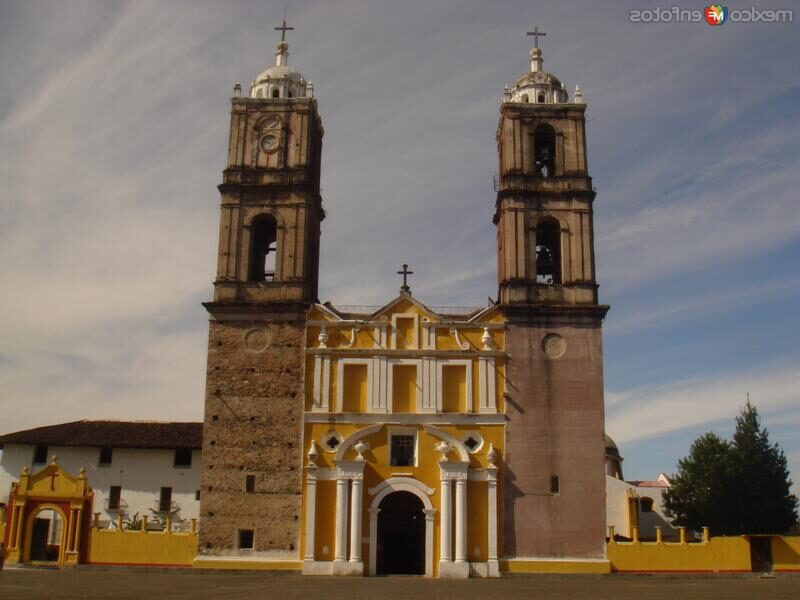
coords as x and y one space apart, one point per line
401 535
413 487
45 535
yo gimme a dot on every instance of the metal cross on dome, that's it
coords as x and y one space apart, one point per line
405 273
536 34
283 28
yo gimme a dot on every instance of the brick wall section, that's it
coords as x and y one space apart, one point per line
555 427
253 420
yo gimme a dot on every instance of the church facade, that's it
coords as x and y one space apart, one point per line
404 439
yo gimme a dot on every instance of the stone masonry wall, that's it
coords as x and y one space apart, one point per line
253 425
555 428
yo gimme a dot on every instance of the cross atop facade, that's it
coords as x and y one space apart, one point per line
405 273
283 29
535 33
53 476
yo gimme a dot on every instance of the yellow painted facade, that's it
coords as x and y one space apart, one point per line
718 554
150 548
403 374
786 554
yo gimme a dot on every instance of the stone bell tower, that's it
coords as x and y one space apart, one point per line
555 487
267 276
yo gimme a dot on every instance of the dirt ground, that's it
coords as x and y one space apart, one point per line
126 583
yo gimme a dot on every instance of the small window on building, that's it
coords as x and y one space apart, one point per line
544 148
541 98
250 484
183 457
263 249
246 539
165 500
555 485
402 451
114 497
106 454
276 93
646 504
197 495
40 455
548 252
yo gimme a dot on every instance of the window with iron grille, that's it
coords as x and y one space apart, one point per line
402 451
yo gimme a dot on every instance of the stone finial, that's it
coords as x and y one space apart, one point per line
491 456
486 339
443 448
237 90
54 460
360 447
312 454
323 337
578 95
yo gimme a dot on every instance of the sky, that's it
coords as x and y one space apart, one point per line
113 136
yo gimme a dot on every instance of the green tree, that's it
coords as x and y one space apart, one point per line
736 487
698 495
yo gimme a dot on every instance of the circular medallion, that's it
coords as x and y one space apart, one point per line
257 339
270 142
554 345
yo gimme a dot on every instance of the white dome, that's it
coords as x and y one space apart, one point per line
537 86
281 80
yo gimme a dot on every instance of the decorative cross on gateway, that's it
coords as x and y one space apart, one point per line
405 273
535 33
53 476
283 28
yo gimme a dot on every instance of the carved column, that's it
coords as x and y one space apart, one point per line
446 535
494 565
347 471
311 503
461 520
454 472
355 521
340 550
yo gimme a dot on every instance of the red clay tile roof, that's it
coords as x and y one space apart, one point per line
114 434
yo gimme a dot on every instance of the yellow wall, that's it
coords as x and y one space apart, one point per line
138 548
355 388
404 389
405 333
719 554
455 388
786 553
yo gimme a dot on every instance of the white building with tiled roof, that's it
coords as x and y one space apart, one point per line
135 468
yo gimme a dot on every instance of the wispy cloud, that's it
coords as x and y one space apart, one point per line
650 411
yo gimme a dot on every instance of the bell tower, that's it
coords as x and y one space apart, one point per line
555 487
267 274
